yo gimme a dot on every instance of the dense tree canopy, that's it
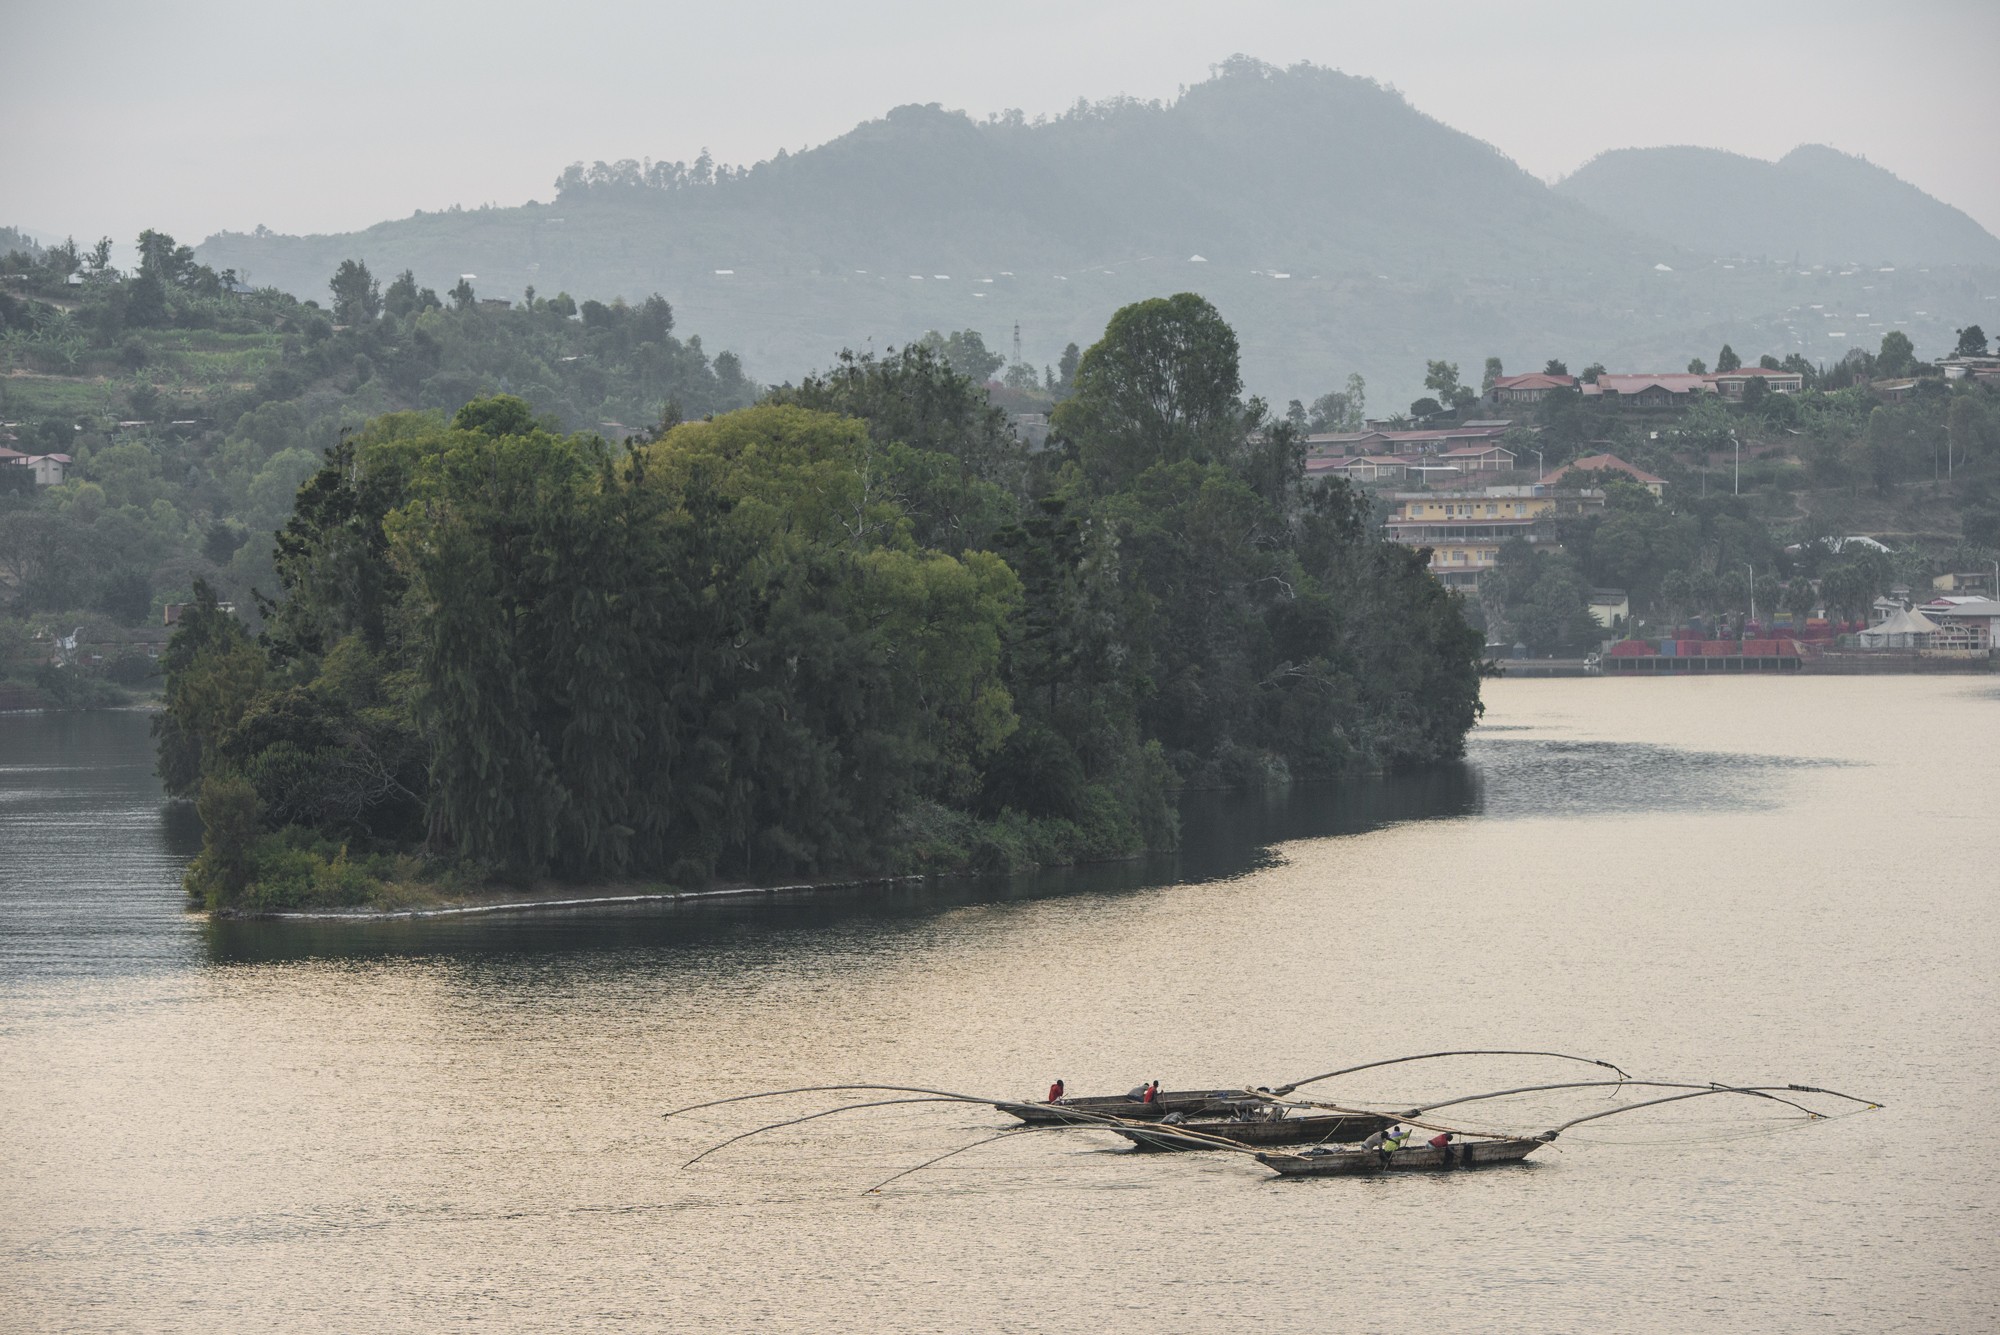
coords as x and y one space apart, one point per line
1164 383
856 627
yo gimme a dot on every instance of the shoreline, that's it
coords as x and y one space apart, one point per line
564 903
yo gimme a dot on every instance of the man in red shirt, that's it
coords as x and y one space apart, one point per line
1056 1092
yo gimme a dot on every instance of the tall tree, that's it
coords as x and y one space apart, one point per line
1441 378
357 297
1161 385
966 352
1066 369
1898 356
214 671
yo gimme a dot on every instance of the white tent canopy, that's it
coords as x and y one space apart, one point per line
1905 630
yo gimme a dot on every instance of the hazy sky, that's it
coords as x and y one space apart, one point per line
309 116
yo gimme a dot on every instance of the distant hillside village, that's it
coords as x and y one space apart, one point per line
1661 503
155 427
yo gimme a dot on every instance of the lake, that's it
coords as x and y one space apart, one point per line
269 1126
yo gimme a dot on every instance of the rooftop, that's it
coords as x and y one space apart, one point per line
1980 607
1673 382
1592 463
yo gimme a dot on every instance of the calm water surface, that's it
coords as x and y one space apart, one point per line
266 1127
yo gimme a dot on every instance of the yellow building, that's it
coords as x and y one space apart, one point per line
1465 529
1435 507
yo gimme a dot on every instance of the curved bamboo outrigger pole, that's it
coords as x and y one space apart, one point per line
1711 1087
1771 1092
1553 1132
1757 1090
1283 1090
1086 1119
826 1112
944 1094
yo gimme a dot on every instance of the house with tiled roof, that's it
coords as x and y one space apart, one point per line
1670 390
1336 444
1608 463
1479 459
49 469
1437 440
1361 468
1732 385
1532 388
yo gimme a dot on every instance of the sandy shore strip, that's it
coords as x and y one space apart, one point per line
567 903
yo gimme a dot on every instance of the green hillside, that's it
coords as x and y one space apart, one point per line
191 412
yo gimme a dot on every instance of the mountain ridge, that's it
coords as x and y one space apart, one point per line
1815 204
1338 227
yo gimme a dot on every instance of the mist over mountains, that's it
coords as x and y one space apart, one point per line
1334 225
1815 205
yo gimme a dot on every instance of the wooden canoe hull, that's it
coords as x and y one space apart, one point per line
1213 1103
1347 1163
1247 1133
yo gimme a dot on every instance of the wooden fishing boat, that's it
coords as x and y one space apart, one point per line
1236 1111
1345 1162
1238 1103
1091 1109
1246 1132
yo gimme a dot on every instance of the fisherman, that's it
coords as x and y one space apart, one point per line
1441 1142
1152 1093
1397 1135
1056 1091
1138 1092
1377 1141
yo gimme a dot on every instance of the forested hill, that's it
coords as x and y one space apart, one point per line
1815 204
1306 170
1337 228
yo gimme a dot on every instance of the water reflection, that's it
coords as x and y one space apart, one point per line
1525 777
93 852
90 852
464 1118
1223 835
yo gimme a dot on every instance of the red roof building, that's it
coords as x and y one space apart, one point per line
1432 440
1732 384
1672 390
1608 463
1480 459
1531 388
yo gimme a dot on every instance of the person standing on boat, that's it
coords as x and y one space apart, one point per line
1056 1091
1397 1135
